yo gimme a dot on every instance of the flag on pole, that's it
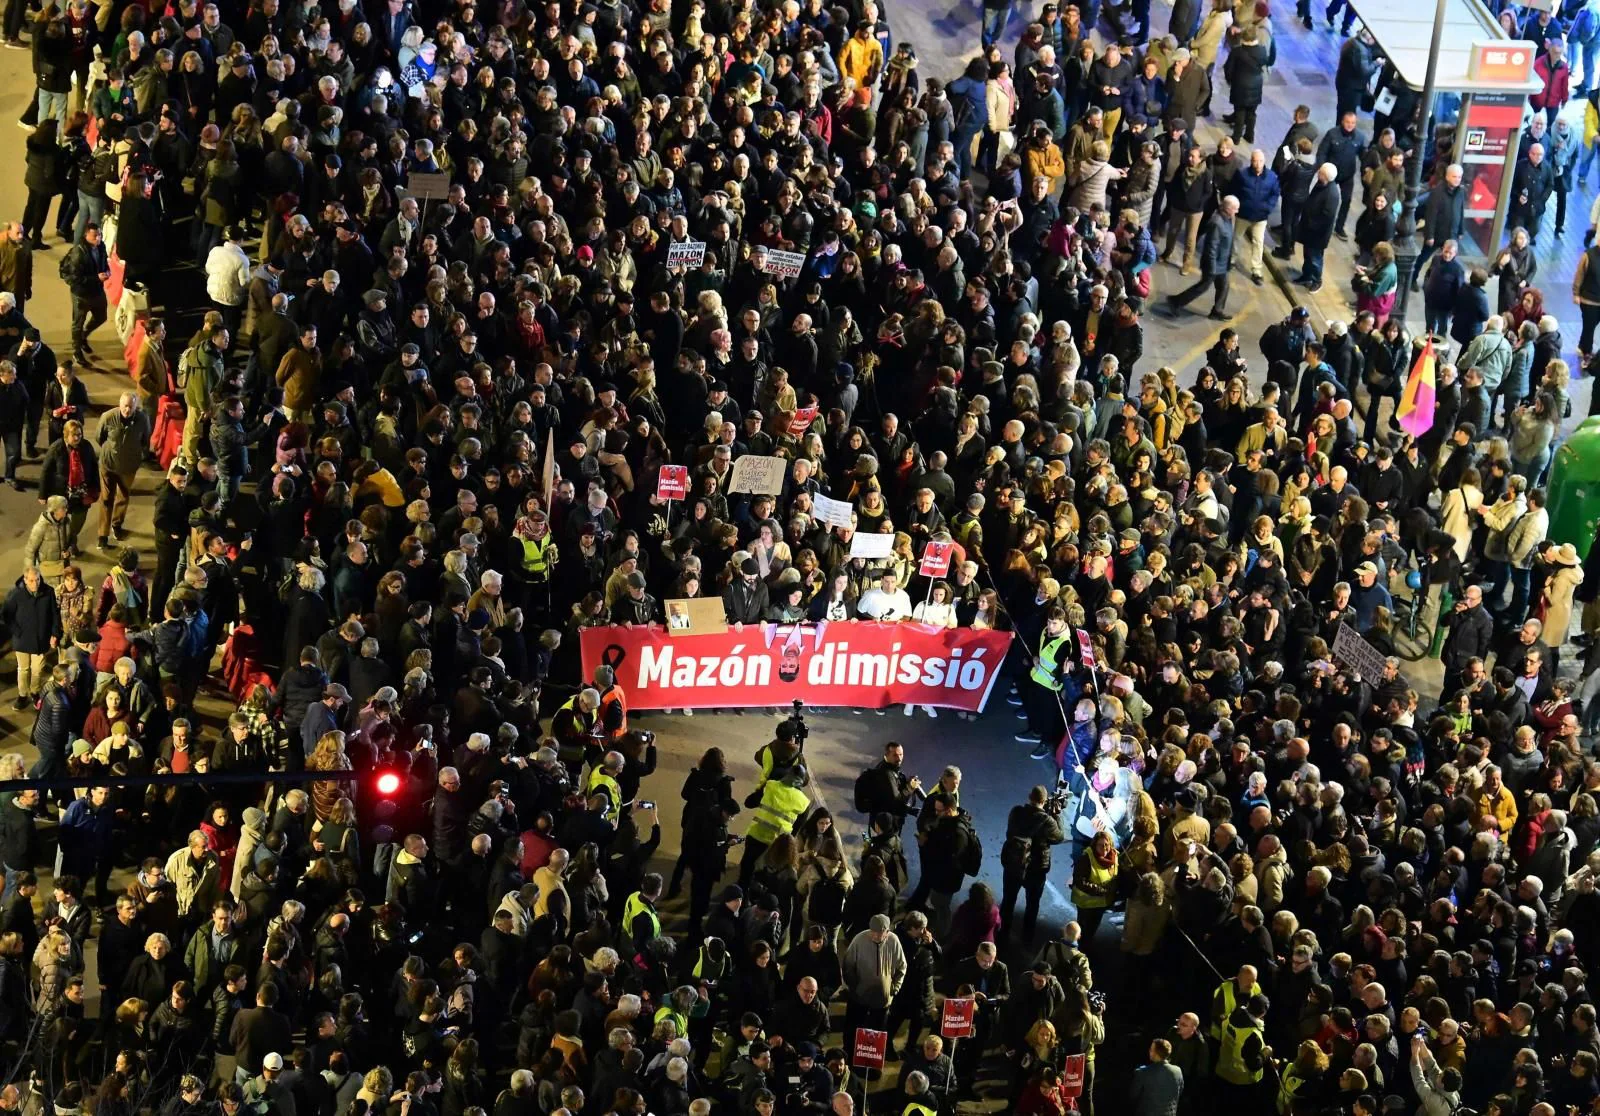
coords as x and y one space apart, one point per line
1415 412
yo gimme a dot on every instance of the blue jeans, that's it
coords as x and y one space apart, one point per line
53 104
1521 584
1590 53
995 21
90 208
1311 269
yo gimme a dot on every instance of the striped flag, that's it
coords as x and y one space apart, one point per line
1415 413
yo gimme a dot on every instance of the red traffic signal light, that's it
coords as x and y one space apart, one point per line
388 784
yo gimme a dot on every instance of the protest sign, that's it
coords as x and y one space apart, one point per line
752 473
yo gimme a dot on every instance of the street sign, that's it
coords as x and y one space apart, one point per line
673 482
869 1048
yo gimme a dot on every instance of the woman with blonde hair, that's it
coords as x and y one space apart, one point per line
328 755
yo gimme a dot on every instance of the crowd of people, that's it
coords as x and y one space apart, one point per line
471 276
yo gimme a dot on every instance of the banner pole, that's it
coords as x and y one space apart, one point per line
950 1078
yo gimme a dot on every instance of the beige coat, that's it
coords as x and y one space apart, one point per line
1456 516
1208 40
1558 593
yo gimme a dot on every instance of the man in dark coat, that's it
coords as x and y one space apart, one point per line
1471 632
1318 220
1216 260
1343 147
1443 217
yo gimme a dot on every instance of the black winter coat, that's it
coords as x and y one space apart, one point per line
32 619
1319 215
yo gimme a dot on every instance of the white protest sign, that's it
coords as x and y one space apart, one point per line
836 513
760 475
785 265
1353 651
686 253
871 546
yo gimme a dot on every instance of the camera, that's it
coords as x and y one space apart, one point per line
646 804
1059 797
798 720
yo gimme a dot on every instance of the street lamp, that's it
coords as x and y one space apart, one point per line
1409 248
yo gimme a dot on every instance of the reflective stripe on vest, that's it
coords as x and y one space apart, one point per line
634 908
1289 1083
1230 1057
780 807
1044 668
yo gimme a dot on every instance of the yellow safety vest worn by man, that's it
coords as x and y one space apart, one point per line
638 907
1044 667
602 783
1243 1041
1228 993
780 807
538 555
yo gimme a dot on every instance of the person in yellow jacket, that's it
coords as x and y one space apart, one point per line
1229 995
603 780
1094 882
1242 1054
1042 158
778 805
861 58
1497 802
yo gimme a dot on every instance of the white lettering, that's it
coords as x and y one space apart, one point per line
683 674
819 668
972 674
655 663
933 672
731 672
758 671
708 673
910 670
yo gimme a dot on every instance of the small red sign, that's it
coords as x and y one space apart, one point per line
936 558
673 483
1072 1076
1085 648
870 1047
802 420
957 1019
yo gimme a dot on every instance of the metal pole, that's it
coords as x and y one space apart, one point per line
1410 248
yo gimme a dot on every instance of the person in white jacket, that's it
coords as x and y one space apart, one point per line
228 277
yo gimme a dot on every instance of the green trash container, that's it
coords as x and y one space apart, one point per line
1575 487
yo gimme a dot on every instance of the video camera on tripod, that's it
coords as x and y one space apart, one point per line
1060 796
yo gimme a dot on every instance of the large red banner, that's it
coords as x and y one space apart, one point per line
854 663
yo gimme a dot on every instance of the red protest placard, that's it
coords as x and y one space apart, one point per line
1085 648
869 1048
673 483
802 420
936 558
956 1021
1072 1076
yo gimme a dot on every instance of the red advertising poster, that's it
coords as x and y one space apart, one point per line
673 483
1072 1076
857 664
869 1049
936 558
1489 128
957 1019
802 420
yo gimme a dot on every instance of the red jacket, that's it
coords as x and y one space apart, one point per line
1557 86
113 645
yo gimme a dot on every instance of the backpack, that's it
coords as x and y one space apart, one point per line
972 853
69 268
826 904
864 791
